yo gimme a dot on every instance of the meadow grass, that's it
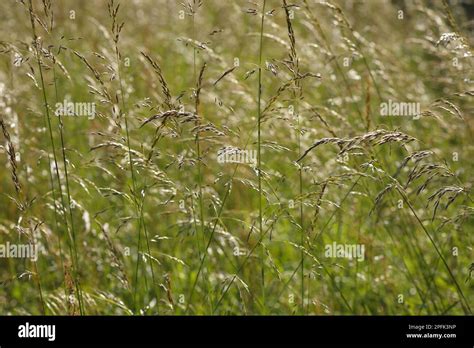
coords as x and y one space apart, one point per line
132 211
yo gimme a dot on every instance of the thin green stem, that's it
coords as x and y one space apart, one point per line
73 249
453 278
259 152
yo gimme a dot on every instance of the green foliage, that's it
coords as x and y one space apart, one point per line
131 209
